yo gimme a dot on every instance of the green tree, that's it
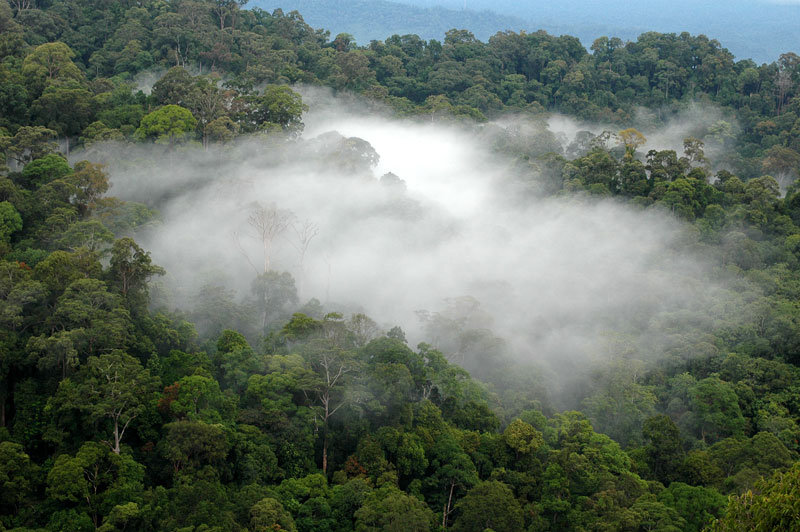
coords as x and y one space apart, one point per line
16 477
388 509
631 139
130 268
120 517
696 504
453 474
91 234
91 182
189 445
169 125
489 505
113 387
45 170
524 441
773 505
96 480
333 366
277 106
32 142
716 406
173 88
199 398
664 449
50 63
92 316
20 294
269 514
87 320
253 457
222 130
66 110
10 222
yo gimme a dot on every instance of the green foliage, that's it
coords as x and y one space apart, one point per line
276 107
10 221
773 506
269 514
67 110
522 438
113 387
230 341
664 449
49 64
199 398
388 508
696 504
489 505
16 477
716 406
189 445
130 269
97 482
46 169
31 143
170 124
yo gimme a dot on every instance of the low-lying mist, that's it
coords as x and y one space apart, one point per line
440 242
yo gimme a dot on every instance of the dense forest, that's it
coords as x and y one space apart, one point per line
130 403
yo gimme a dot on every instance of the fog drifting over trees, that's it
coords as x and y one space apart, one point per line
417 226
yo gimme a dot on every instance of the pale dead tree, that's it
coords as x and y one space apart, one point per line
326 257
268 222
22 5
243 252
788 69
304 234
783 84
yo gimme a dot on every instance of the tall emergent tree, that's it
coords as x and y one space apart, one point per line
112 387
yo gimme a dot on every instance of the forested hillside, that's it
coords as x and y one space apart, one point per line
755 29
617 233
376 19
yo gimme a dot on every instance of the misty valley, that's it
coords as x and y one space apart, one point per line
257 277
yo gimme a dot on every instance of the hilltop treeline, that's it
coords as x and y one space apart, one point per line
87 83
119 416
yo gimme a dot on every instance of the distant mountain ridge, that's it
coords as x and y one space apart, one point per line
749 29
757 29
368 20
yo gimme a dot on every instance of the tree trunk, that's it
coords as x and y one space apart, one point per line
325 453
116 437
448 509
